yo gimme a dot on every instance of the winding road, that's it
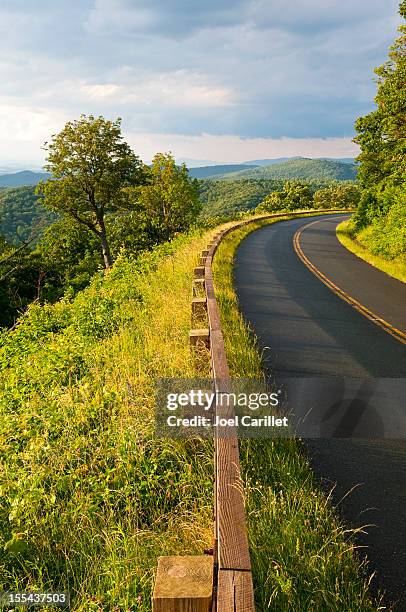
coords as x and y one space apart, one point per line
306 330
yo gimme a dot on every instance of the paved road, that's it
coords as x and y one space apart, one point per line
311 332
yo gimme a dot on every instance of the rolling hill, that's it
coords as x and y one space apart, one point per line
302 168
202 172
25 177
277 160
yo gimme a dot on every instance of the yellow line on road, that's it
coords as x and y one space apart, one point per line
390 329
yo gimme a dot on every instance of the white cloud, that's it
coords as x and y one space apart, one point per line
179 88
178 69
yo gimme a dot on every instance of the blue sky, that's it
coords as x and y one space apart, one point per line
216 80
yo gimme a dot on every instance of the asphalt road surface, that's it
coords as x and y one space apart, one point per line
306 330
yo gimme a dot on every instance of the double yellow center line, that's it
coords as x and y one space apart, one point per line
390 329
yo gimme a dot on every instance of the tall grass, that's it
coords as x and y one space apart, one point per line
89 496
303 557
359 245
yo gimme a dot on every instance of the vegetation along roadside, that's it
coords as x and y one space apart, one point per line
358 244
89 496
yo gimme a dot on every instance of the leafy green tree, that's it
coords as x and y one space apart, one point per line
20 280
295 195
170 201
70 256
298 195
273 202
345 195
382 134
94 172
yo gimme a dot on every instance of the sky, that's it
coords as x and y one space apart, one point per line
218 80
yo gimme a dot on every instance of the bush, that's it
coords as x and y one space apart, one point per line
386 235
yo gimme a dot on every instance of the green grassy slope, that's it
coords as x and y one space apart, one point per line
394 266
89 496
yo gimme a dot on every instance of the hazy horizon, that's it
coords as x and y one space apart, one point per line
15 167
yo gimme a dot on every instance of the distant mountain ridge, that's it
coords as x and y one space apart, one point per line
277 160
25 177
300 168
281 167
210 171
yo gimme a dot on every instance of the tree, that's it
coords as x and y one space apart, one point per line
382 133
273 202
295 195
94 172
346 195
170 200
70 256
382 138
20 280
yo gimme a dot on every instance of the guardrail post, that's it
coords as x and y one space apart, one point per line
183 584
199 307
199 272
197 286
199 338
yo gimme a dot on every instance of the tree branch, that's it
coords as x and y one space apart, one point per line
88 224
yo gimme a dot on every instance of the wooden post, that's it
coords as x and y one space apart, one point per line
197 286
199 338
199 307
235 591
183 584
199 272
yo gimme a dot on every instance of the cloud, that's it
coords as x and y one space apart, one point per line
179 88
246 69
172 18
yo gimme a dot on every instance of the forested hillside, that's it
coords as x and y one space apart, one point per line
223 198
202 172
220 198
21 214
319 169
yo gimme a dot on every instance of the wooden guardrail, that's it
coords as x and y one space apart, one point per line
221 582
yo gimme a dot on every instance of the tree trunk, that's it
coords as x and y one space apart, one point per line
107 259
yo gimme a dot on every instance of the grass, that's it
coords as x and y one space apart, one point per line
394 267
303 557
89 496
